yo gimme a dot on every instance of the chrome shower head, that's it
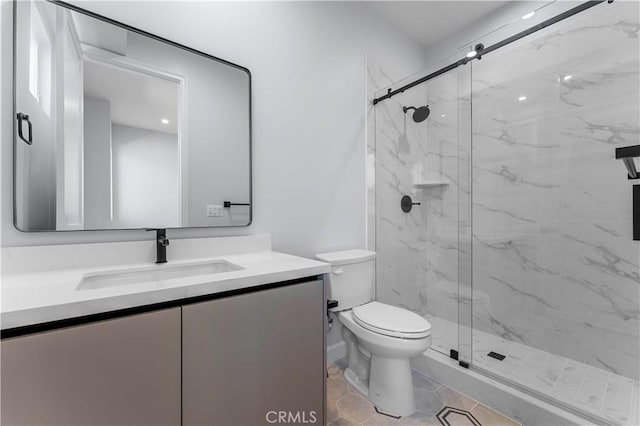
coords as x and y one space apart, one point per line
419 114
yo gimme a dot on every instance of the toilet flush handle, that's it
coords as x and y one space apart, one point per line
338 271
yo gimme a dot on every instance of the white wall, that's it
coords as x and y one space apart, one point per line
97 164
308 66
494 27
146 177
216 152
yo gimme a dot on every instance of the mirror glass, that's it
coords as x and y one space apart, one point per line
119 129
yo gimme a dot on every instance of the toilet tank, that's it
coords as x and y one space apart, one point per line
351 278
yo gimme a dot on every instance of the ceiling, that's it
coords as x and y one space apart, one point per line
97 33
137 100
428 22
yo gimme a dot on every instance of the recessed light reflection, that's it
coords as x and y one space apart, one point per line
567 77
472 54
522 98
443 115
164 121
529 15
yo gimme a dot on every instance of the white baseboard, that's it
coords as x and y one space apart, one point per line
336 351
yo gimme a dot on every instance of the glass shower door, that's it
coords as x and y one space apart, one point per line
417 265
555 269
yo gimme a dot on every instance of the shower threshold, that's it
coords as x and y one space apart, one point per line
574 386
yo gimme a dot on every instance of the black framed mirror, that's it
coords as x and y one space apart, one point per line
116 128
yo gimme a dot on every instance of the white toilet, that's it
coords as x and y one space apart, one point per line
380 338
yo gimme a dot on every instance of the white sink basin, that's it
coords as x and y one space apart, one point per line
156 273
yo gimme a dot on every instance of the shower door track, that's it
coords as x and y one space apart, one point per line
481 51
545 398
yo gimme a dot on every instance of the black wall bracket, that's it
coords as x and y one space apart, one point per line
627 155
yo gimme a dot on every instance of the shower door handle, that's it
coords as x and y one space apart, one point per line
636 212
24 117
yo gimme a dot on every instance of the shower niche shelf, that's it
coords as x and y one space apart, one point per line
431 183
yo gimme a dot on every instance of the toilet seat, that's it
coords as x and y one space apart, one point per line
391 321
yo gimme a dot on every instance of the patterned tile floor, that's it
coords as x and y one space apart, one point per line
345 406
595 391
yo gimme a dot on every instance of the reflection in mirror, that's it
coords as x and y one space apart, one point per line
128 131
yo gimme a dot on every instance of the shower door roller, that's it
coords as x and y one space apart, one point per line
406 203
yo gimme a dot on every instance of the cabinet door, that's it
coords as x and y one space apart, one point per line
248 357
124 371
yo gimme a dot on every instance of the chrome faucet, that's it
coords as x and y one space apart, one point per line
161 244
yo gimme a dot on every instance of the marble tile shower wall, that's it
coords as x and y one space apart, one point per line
554 265
551 206
417 262
378 77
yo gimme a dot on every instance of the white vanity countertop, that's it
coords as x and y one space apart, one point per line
34 298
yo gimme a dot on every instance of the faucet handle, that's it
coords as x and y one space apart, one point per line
161 236
161 242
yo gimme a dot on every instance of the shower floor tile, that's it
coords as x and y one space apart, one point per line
437 405
592 390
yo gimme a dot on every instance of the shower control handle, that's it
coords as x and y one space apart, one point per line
406 203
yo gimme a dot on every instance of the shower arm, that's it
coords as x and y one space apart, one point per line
627 155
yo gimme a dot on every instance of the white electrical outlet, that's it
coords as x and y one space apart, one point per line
214 210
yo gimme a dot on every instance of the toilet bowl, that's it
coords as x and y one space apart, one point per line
381 339
379 365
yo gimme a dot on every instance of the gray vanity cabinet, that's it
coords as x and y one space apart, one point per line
123 371
248 358
244 359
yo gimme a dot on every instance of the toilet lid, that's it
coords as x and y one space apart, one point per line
391 321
